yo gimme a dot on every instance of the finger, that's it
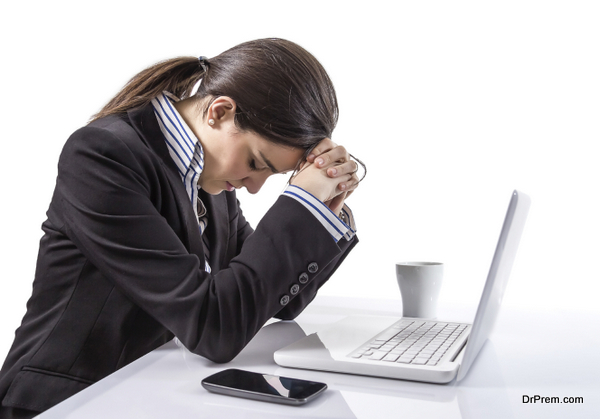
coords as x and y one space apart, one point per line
337 203
346 168
337 154
324 146
350 184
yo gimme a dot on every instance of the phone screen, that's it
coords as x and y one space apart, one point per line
264 387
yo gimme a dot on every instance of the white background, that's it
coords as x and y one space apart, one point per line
451 104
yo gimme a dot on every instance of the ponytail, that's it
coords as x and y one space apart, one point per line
282 93
177 76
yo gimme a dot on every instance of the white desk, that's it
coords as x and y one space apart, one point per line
531 353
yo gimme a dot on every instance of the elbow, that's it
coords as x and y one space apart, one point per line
220 353
221 358
286 315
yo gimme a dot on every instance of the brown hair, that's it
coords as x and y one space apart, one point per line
282 92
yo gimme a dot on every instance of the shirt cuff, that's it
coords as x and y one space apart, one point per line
334 224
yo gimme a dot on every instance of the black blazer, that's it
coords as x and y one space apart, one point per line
121 266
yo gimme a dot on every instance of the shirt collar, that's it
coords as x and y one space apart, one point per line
184 147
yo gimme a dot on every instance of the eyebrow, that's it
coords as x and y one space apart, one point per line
268 163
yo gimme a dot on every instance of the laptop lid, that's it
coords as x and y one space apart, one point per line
495 285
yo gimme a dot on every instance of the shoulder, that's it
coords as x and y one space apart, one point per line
111 136
110 147
112 130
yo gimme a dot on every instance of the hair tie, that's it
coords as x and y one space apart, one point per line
203 62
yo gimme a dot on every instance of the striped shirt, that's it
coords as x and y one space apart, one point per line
334 225
184 148
187 153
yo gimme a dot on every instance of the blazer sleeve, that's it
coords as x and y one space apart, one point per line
301 301
297 305
106 191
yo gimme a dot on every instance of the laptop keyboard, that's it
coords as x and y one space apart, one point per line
412 341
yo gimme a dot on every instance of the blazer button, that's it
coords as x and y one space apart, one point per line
313 267
284 300
295 288
303 278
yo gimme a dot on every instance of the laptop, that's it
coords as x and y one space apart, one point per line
427 350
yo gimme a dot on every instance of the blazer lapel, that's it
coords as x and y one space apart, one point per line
145 124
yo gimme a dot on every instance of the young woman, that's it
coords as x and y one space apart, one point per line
145 239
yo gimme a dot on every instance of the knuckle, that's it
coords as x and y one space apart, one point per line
341 149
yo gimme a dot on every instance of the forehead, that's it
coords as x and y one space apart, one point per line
277 157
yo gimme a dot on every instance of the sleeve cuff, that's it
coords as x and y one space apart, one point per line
334 225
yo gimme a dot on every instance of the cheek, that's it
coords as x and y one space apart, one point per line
233 169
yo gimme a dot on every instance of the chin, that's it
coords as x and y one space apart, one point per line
214 191
211 189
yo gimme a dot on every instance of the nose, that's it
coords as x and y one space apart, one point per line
255 181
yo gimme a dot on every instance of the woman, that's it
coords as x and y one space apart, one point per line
140 243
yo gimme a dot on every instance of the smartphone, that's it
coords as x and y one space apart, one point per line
264 387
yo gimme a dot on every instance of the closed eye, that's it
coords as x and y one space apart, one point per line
254 168
269 165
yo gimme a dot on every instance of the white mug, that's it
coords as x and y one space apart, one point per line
420 284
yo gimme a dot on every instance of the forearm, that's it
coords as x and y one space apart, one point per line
296 306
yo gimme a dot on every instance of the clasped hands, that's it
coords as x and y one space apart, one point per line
328 173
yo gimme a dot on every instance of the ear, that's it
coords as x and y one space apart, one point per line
221 110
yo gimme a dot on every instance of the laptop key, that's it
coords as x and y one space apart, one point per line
378 355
